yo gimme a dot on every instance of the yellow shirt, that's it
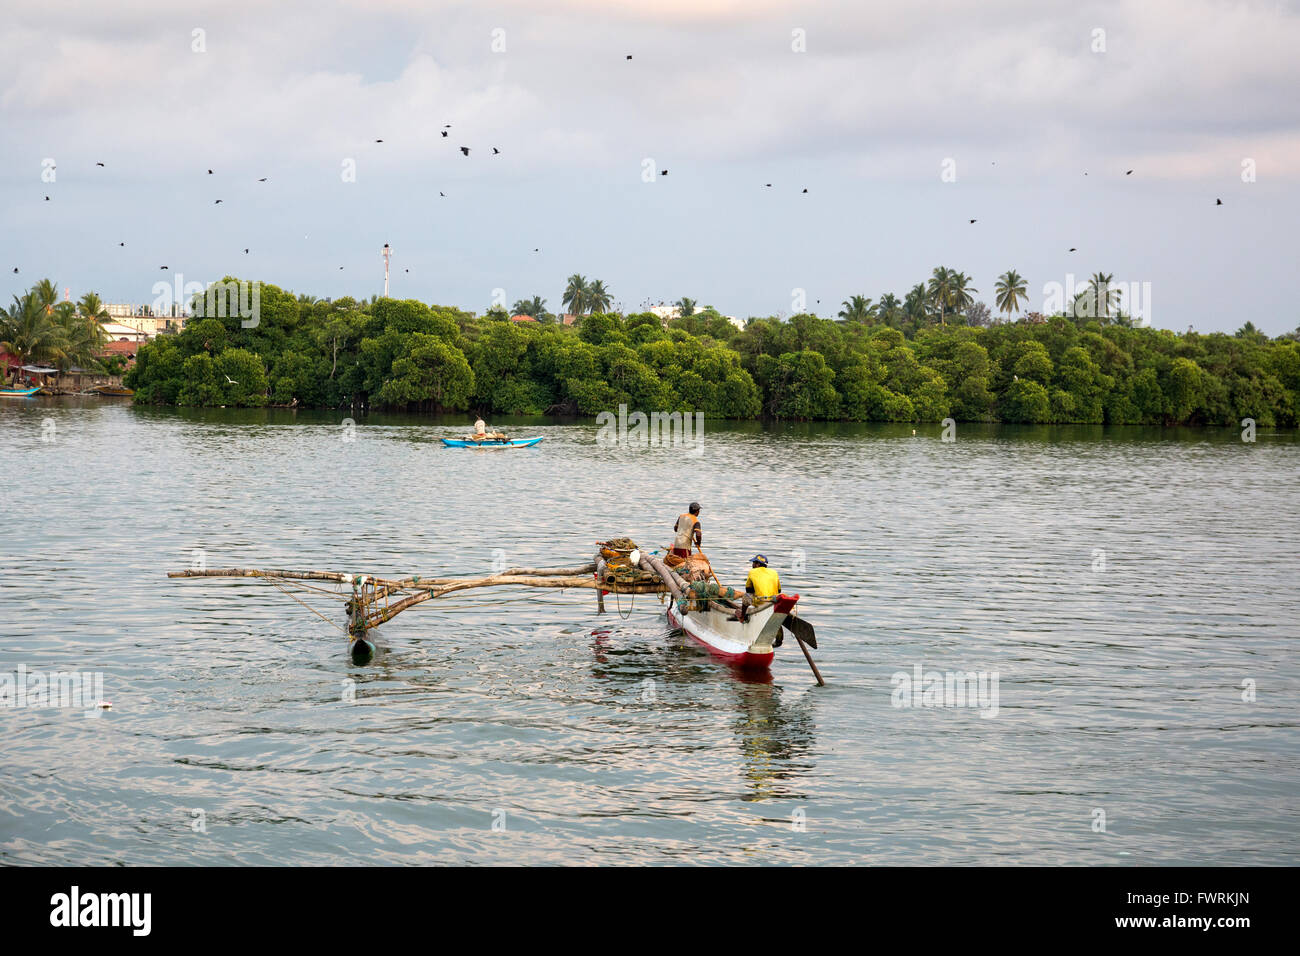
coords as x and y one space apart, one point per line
764 581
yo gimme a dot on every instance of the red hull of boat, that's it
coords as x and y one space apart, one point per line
745 661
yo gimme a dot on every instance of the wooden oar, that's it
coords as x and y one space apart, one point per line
808 657
804 634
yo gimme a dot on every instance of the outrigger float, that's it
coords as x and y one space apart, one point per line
731 626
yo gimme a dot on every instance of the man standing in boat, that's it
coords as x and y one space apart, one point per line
687 527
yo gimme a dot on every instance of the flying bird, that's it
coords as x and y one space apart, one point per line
218 202
805 190
465 150
99 164
15 270
767 184
442 194
47 198
209 172
262 180
444 133
245 252
408 270
663 173
629 56
121 243
162 267
972 222
495 151
1217 202
1129 173
1071 249
231 380
379 141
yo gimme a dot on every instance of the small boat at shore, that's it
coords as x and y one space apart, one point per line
19 392
113 390
490 442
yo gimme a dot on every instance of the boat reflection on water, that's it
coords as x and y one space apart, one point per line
773 723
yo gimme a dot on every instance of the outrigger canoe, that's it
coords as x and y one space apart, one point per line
490 443
748 645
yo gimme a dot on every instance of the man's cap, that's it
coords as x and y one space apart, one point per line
759 559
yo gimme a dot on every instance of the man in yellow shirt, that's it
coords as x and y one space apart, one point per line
762 582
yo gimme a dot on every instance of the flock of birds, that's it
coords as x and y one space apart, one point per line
465 151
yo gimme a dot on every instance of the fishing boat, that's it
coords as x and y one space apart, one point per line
735 627
19 392
748 644
490 442
115 390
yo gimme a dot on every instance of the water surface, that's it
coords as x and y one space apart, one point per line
607 739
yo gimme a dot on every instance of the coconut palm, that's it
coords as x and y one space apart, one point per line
940 290
1101 295
914 306
83 339
685 306
959 294
1009 290
857 309
92 308
598 296
29 332
575 294
536 307
46 293
889 308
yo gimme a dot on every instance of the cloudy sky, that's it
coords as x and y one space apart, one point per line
1035 109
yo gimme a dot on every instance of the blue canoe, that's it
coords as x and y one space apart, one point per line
490 443
28 392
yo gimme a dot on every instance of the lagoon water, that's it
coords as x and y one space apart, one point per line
1129 587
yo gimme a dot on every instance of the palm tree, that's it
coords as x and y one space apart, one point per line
83 340
1100 294
959 295
92 308
914 304
685 307
46 293
575 295
940 290
29 331
597 297
857 309
889 308
536 307
1010 289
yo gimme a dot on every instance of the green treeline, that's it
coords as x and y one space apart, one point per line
408 355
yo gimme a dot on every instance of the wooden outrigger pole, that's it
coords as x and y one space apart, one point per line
374 600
